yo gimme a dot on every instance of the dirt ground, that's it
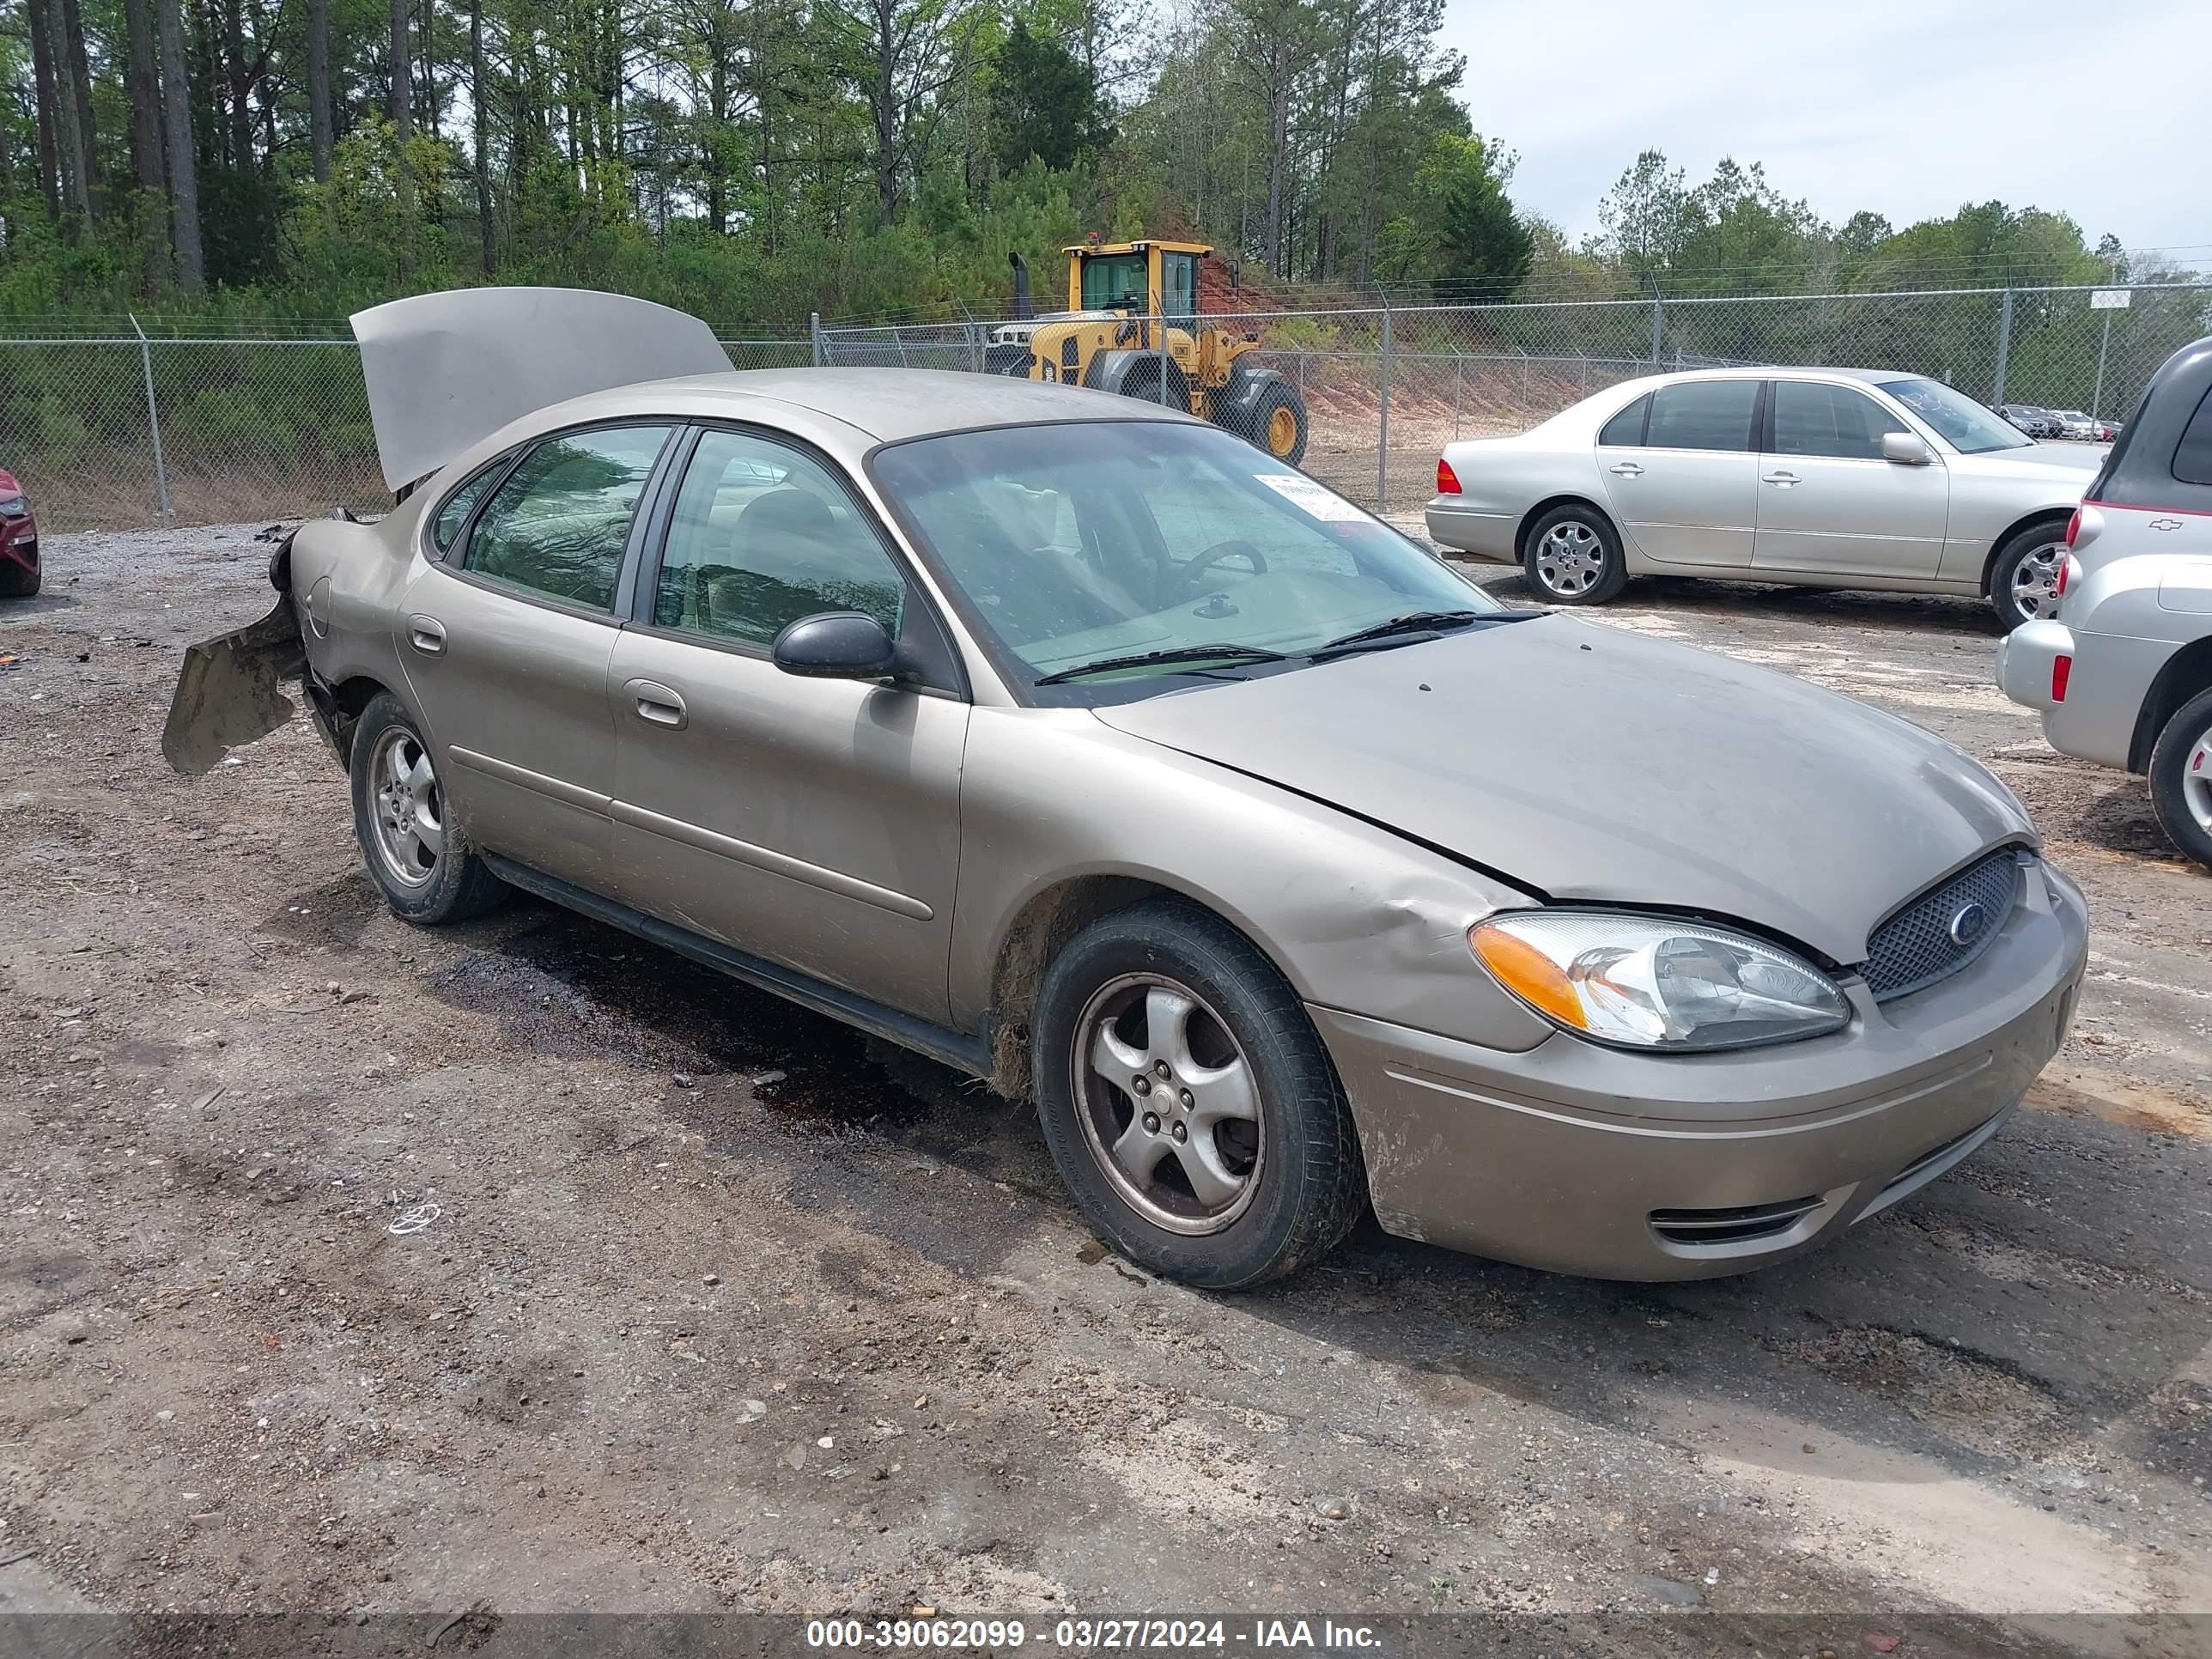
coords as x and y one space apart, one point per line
524 1266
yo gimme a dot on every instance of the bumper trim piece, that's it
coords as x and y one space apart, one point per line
1812 1122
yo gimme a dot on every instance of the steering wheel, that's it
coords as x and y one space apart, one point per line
1215 554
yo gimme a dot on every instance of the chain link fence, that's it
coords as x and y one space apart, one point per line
1386 388
121 430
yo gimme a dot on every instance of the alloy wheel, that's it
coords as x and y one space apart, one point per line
410 823
1570 559
2197 781
1168 1103
2035 580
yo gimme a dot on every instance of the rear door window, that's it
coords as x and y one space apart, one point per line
1702 415
1625 429
462 502
556 527
2192 456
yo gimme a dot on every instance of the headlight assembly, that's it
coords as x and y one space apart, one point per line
1647 983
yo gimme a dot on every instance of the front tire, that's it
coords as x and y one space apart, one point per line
1278 423
16 582
2181 778
1189 1103
2024 576
418 859
1574 556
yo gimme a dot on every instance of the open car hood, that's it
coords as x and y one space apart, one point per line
446 369
1589 763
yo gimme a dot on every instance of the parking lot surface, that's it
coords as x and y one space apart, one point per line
525 1265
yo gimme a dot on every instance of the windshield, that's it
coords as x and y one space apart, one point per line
1965 425
1115 281
1077 544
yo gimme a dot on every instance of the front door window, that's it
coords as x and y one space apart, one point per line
762 535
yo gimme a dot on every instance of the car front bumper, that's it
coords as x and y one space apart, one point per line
1590 1160
19 541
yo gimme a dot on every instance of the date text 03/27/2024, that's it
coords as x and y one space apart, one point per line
1093 1635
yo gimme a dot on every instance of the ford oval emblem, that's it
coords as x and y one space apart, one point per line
1967 927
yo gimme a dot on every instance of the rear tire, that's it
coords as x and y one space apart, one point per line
2181 778
425 869
2024 575
17 583
1574 556
1248 1166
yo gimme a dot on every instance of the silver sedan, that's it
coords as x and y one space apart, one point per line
1823 477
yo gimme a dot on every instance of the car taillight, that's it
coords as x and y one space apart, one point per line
1447 480
2072 527
2069 568
2062 670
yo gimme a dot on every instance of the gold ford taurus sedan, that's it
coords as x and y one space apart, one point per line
1084 747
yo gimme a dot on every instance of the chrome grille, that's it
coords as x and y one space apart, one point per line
1922 942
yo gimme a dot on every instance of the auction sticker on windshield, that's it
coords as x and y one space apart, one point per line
1318 500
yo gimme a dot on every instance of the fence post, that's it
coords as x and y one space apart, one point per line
2097 398
153 422
1658 324
1459 387
1382 421
2005 344
1160 326
814 336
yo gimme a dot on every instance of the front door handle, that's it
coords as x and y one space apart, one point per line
1626 470
652 700
427 635
1782 479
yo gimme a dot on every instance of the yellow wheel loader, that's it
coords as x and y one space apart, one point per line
1133 326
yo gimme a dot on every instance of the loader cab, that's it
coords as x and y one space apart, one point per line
1138 277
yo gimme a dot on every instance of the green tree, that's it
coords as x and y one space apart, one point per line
1481 247
1044 103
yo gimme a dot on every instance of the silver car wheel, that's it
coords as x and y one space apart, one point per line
410 825
1168 1103
2196 782
2035 580
1570 558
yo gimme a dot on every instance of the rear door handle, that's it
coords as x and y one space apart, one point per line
1785 479
427 635
1626 470
652 700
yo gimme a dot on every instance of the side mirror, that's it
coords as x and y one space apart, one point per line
836 645
1905 449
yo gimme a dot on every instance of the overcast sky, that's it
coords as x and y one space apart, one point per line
2102 109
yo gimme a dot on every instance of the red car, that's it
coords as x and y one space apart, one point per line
19 541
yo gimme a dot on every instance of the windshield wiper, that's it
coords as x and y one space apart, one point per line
1411 622
1174 653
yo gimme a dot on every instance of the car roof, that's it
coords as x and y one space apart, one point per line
889 405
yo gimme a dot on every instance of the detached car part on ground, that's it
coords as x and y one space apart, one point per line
1824 478
2123 675
19 541
1084 748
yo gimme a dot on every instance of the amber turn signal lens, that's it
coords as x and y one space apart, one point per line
1528 973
